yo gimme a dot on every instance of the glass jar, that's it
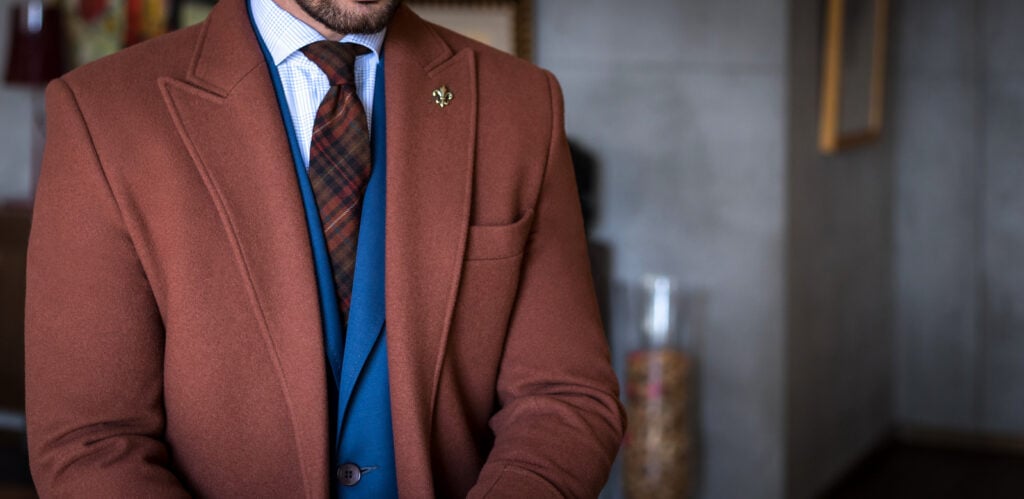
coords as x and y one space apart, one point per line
659 448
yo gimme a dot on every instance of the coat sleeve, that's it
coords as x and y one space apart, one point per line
93 334
560 422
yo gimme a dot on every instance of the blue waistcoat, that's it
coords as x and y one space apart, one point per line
360 416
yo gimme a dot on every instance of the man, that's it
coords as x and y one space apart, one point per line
204 318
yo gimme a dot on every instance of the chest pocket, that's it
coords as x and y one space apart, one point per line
494 242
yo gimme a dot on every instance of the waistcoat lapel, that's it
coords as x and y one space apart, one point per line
366 316
430 154
228 117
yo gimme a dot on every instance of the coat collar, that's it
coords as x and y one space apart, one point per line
430 157
227 115
227 50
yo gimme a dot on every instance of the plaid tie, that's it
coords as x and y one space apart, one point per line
339 161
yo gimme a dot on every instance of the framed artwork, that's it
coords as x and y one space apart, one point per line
502 24
854 54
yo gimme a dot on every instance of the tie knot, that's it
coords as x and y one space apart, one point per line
335 59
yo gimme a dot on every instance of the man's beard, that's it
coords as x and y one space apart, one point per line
349 22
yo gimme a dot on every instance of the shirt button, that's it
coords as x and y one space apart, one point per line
349 474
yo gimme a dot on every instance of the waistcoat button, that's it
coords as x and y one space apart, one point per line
349 474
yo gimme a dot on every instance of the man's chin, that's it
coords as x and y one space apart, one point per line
351 16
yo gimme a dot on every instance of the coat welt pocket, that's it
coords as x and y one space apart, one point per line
491 242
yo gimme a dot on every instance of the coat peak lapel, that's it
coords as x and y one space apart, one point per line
230 122
227 50
366 315
430 157
415 41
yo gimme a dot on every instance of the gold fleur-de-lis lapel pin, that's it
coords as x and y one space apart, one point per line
443 96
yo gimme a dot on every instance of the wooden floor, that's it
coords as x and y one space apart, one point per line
911 472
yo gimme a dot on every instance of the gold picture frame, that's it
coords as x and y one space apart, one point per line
854 54
503 24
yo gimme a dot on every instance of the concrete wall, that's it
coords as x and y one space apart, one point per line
1002 79
959 216
938 187
839 344
682 102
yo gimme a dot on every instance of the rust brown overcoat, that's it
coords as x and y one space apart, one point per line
173 337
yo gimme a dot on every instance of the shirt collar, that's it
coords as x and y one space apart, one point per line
284 34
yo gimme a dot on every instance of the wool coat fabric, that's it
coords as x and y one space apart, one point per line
173 336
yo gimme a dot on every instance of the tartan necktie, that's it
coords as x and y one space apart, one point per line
339 161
